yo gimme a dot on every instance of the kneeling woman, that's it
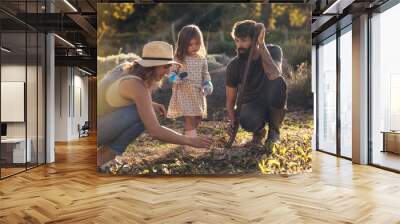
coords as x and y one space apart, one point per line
126 108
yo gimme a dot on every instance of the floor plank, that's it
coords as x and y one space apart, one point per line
70 191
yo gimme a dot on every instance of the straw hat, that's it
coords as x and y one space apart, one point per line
157 53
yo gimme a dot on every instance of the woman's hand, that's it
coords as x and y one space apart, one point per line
159 109
200 141
136 90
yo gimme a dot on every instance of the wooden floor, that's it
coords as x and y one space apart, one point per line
387 159
70 191
10 171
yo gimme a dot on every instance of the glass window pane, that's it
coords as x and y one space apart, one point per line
22 63
327 96
13 85
385 114
31 97
346 94
41 98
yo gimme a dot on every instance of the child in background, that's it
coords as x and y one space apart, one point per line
192 82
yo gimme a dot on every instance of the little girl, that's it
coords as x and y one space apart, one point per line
194 82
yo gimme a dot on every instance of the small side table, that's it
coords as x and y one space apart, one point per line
391 141
14 150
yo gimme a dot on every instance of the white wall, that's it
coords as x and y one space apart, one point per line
61 103
12 73
80 104
71 93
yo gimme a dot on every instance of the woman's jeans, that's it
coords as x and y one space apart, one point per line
119 128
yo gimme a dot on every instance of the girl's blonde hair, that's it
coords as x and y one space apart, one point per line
185 35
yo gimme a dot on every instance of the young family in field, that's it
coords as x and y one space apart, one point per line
126 108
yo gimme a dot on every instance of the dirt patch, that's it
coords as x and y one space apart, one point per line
152 157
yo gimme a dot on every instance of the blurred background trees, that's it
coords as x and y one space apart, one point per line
126 27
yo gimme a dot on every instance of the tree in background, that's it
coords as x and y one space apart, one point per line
109 17
130 25
126 27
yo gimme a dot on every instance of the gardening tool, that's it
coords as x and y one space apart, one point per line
235 126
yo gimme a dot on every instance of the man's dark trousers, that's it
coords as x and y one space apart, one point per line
267 107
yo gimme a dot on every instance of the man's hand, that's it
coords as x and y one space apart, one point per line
271 69
159 109
261 34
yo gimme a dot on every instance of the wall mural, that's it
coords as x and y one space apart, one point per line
204 89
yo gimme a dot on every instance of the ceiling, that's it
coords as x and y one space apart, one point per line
74 22
330 15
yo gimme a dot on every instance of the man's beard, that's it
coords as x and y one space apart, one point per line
243 53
